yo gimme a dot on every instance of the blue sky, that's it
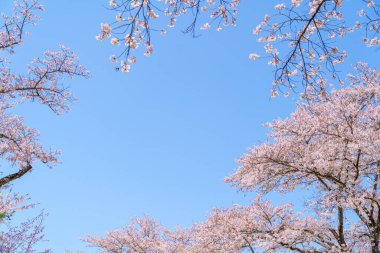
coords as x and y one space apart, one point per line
156 141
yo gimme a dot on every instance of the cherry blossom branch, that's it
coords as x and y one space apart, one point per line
23 238
135 22
12 31
310 32
5 180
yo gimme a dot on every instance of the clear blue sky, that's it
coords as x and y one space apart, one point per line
156 141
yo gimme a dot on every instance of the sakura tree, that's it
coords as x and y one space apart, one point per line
42 82
305 32
20 148
23 237
142 235
328 148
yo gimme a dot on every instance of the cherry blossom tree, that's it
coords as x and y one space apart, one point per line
42 82
20 148
142 235
18 238
305 32
329 148
24 237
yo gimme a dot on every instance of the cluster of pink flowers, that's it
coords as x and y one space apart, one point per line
19 238
24 237
134 23
310 36
11 32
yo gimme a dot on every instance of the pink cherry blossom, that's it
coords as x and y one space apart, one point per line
42 82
